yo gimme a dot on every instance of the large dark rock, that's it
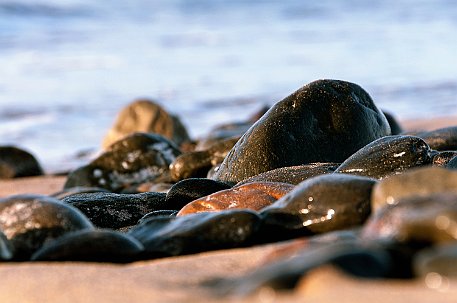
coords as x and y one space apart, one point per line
440 139
324 121
91 246
133 160
109 210
6 250
28 221
15 163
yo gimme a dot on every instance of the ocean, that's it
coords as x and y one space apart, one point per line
68 66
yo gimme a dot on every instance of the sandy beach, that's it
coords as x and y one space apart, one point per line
181 279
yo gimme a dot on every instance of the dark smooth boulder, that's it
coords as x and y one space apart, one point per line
6 249
324 121
16 162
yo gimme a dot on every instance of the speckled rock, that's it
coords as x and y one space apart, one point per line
146 116
416 221
440 139
29 221
452 164
91 246
293 174
395 126
255 196
168 236
436 265
196 164
192 189
387 156
109 210
16 162
133 160
441 159
321 204
324 121
416 182
6 249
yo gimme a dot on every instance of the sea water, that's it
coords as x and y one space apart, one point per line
68 66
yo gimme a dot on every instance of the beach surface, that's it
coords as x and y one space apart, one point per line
184 278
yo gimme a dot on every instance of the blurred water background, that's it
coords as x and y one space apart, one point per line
68 66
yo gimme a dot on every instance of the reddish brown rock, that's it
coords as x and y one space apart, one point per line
255 196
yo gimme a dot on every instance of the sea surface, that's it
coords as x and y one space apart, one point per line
68 66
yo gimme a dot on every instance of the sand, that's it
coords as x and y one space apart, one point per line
182 279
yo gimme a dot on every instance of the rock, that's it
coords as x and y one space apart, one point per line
436 265
15 163
441 159
167 236
6 249
29 221
254 196
109 210
441 139
395 126
293 174
157 213
324 121
416 182
78 190
322 204
91 246
133 160
192 189
387 156
452 164
285 274
196 164
149 186
415 221
146 116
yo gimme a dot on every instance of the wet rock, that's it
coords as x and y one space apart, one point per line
148 117
324 121
293 174
441 159
6 250
29 221
416 182
192 189
395 126
15 163
387 156
109 210
322 204
436 264
284 274
133 160
255 196
91 246
416 221
78 190
196 164
440 139
157 213
452 164
167 236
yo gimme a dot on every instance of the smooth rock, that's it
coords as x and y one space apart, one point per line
441 159
293 174
254 196
395 127
29 221
440 139
168 236
322 204
416 221
415 182
452 164
16 162
6 249
146 116
324 121
437 264
196 164
78 190
157 213
387 156
192 189
109 210
136 159
91 246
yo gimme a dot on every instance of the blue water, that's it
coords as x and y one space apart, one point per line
68 66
